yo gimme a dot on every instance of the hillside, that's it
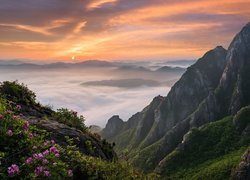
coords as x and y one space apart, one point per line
37 142
215 87
210 152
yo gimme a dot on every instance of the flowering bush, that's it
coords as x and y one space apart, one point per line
27 152
70 118
19 93
24 150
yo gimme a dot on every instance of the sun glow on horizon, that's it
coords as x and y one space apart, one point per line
117 30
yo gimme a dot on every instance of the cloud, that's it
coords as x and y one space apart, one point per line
99 3
62 88
109 29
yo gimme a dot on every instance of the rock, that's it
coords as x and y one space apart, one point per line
113 127
242 172
58 131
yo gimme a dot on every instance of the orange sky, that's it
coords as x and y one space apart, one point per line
117 29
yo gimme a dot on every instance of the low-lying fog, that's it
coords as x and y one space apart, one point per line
95 92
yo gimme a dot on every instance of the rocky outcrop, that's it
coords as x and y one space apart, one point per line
86 142
95 129
242 172
113 127
233 90
185 96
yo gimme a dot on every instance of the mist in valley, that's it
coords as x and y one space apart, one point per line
96 91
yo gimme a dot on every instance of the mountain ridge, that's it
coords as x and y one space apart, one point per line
202 95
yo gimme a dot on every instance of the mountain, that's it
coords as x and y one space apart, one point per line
90 63
216 86
171 69
177 63
95 63
11 62
95 129
133 68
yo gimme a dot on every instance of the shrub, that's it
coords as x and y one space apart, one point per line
18 93
26 152
70 118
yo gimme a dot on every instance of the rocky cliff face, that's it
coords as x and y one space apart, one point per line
242 172
232 93
59 131
113 127
217 85
185 96
235 81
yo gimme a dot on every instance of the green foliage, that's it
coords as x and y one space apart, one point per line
217 169
89 146
70 118
209 152
146 155
17 92
20 142
95 168
242 118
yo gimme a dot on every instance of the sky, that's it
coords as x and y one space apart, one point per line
72 30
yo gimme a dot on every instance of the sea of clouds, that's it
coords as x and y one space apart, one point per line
65 88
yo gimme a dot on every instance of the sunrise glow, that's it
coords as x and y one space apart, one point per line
118 29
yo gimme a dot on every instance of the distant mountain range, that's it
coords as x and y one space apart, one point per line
175 135
92 63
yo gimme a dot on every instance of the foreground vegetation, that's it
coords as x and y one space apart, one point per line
28 152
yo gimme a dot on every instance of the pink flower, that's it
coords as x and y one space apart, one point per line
54 164
38 156
46 152
26 126
13 169
54 150
39 170
34 147
46 143
29 160
57 154
70 173
46 173
1 116
9 132
45 161
52 141
14 117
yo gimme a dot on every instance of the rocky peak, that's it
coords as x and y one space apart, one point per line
185 96
234 87
113 127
